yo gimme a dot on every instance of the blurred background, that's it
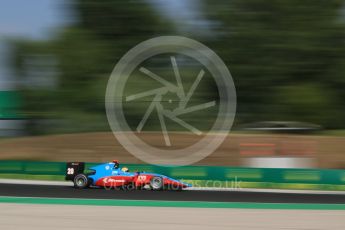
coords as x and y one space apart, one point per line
286 58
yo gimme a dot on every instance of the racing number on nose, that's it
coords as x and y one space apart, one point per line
70 171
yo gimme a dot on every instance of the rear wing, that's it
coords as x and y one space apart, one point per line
73 169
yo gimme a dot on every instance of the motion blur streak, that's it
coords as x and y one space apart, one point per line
286 58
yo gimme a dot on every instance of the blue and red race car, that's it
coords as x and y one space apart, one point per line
111 175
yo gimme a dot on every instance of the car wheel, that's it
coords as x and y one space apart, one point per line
156 183
81 181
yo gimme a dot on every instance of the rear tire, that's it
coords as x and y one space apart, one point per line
156 183
81 181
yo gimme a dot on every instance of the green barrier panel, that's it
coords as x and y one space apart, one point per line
14 167
213 173
9 104
34 168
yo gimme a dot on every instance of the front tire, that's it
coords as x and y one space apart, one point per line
81 181
156 183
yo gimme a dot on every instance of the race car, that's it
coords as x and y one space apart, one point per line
111 175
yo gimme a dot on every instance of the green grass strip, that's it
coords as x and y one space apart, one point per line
184 204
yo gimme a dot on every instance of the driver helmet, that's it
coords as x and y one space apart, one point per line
116 164
124 169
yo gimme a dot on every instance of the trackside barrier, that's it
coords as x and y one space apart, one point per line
219 173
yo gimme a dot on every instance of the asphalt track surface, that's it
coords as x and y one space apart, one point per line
52 191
